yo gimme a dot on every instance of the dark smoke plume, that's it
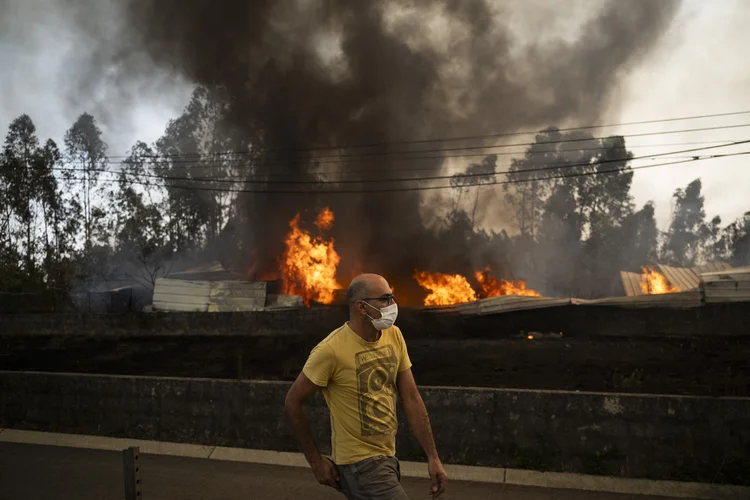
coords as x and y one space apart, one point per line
393 76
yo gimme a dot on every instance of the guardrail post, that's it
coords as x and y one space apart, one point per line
132 473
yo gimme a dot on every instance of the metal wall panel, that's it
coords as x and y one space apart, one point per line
682 278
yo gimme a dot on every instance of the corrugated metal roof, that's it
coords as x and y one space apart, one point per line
202 268
516 303
495 305
731 285
712 267
682 278
631 282
212 271
726 284
736 273
466 308
498 305
181 295
278 302
214 296
677 300
225 296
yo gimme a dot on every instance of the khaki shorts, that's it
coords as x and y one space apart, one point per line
376 478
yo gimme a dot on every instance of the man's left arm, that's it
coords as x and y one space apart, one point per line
419 420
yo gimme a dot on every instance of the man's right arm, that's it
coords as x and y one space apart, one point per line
302 389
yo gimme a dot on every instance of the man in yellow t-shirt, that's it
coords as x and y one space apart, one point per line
360 367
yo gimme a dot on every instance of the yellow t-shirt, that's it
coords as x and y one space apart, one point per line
359 385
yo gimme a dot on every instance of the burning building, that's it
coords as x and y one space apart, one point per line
664 279
309 264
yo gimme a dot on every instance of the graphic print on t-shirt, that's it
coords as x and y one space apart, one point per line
376 381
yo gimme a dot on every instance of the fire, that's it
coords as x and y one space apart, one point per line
325 220
491 287
655 283
308 266
445 289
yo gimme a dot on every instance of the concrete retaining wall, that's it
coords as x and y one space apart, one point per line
660 437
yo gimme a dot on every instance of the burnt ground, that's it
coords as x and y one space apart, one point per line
717 366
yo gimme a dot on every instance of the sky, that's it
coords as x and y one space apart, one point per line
699 67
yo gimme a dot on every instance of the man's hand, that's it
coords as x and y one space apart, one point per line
326 473
438 476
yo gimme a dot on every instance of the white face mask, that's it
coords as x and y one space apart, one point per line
388 316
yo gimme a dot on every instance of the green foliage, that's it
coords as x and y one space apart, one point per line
577 227
737 241
572 206
687 230
86 154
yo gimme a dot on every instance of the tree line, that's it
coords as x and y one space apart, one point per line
73 216
573 222
577 231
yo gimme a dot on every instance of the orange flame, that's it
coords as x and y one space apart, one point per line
491 287
309 264
445 289
655 283
325 219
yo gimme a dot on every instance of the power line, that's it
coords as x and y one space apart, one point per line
529 144
351 157
431 188
567 129
241 163
348 171
506 134
267 162
428 178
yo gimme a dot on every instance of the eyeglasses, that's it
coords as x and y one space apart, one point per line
388 298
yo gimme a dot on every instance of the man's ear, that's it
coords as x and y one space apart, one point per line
361 308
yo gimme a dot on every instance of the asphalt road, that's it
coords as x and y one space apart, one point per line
33 472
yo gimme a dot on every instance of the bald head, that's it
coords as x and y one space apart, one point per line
366 286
